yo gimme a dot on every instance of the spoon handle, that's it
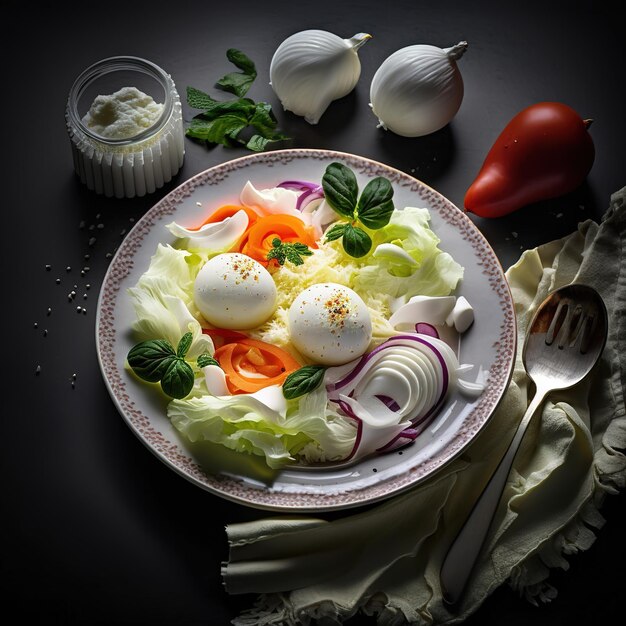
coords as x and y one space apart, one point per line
464 550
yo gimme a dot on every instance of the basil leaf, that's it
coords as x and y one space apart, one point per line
336 232
375 205
356 242
340 188
150 359
183 345
197 99
178 379
238 82
303 381
206 359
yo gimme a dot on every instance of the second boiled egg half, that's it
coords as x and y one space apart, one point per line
330 324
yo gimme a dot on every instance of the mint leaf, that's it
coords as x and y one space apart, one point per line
303 380
375 205
150 359
263 119
222 130
258 143
238 82
340 188
221 122
197 99
178 379
244 107
356 242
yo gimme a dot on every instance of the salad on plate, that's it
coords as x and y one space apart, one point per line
313 323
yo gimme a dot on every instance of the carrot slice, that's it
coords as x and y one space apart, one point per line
222 336
228 210
257 241
251 365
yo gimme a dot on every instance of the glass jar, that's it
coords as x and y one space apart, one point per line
145 158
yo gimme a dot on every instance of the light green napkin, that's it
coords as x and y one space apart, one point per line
385 561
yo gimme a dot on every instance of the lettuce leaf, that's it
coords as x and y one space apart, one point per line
163 302
433 272
244 424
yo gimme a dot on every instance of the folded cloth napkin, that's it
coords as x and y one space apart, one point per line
385 561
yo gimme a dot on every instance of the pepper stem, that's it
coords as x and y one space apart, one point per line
456 52
588 123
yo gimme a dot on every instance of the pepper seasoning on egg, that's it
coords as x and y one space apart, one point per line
330 324
234 291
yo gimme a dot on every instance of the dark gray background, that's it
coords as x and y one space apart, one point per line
96 530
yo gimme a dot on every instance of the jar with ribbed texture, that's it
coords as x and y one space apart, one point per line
125 124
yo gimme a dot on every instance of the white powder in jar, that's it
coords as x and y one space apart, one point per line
123 114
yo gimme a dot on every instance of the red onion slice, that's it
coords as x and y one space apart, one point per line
300 185
310 191
419 369
424 328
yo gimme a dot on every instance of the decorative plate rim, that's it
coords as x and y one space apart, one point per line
265 498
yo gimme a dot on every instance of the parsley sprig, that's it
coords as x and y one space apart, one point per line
285 251
224 122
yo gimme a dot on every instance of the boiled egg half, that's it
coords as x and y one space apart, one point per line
234 291
330 324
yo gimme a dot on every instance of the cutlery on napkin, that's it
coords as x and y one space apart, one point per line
385 561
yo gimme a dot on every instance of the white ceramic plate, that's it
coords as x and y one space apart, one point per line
489 344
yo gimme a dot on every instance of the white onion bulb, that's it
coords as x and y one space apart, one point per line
418 89
312 68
